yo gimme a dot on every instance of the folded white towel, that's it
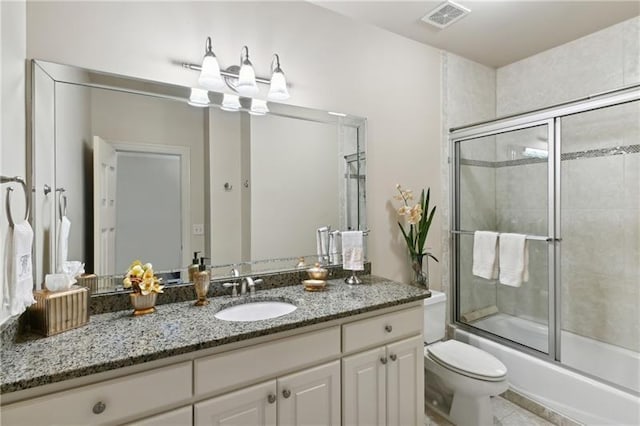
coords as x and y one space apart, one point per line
335 247
63 243
514 259
353 250
485 259
322 243
20 285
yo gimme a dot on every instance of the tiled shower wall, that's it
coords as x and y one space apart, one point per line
600 204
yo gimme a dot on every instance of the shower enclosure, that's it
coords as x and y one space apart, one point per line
569 178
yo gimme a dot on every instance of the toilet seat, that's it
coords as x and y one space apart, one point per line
467 360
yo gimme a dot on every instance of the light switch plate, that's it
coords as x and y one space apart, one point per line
198 229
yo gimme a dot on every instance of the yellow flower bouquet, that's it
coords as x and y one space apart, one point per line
141 279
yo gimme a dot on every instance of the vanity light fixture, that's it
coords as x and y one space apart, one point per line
278 88
210 77
198 98
241 79
258 107
230 103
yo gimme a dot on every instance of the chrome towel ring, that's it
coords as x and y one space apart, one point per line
21 181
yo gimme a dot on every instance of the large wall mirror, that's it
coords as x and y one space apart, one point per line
139 173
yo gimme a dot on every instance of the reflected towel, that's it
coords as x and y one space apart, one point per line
514 259
485 261
63 243
335 247
322 244
20 286
353 250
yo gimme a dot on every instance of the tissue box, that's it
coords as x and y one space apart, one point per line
55 312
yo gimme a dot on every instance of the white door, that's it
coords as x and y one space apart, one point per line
310 397
178 417
104 206
253 406
364 388
405 382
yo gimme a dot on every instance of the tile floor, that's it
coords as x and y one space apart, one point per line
505 413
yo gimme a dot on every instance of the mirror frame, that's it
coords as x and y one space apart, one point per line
44 246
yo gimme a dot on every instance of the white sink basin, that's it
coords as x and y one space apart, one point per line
255 311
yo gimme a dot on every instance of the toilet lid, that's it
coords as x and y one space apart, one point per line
467 360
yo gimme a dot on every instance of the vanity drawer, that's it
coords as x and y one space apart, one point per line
381 329
107 402
231 369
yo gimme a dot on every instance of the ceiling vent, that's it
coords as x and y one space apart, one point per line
445 14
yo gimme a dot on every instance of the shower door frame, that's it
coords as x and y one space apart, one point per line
551 117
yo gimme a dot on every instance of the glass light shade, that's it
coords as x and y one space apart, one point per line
278 89
199 98
258 107
230 103
247 85
210 77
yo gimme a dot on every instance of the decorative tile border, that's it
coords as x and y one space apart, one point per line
579 155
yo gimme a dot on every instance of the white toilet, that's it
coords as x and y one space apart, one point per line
472 374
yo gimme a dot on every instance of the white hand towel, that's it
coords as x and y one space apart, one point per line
335 247
485 263
21 279
63 243
322 243
514 259
352 250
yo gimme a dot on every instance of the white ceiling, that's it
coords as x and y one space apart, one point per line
495 33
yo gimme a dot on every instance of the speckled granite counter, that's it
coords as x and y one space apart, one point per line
118 339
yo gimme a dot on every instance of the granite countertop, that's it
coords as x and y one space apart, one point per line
118 339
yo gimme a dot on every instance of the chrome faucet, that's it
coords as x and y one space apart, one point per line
234 283
248 282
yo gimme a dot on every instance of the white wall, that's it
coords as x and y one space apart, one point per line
333 63
13 46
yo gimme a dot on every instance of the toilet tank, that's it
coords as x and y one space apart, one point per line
435 311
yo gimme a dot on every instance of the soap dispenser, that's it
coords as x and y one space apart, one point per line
193 268
201 283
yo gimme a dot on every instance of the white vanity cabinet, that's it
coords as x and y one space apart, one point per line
308 397
384 385
363 370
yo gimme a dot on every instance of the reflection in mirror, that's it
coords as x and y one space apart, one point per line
147 176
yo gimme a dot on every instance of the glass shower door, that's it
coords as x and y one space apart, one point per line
502 185
600 224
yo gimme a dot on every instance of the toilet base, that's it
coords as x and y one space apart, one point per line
469 410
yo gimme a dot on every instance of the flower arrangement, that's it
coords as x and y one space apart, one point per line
141 279
419 219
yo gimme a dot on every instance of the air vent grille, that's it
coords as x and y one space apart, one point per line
445 14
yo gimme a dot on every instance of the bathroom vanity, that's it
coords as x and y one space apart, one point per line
350 355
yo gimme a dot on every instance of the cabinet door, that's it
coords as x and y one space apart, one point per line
405 382
310 397
364 388
178 417
254 405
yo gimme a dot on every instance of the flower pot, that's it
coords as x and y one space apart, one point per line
420 269
143 304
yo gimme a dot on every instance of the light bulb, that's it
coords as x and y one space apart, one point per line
210 77
278 89
230 103
258 107
199 98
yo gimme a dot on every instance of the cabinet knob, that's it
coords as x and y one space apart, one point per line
271 398
286 393
99 407
393 357
383 359
388 328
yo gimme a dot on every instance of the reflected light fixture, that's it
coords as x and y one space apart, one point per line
258 107
278 87
198 98
210 77
230 103
247 85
